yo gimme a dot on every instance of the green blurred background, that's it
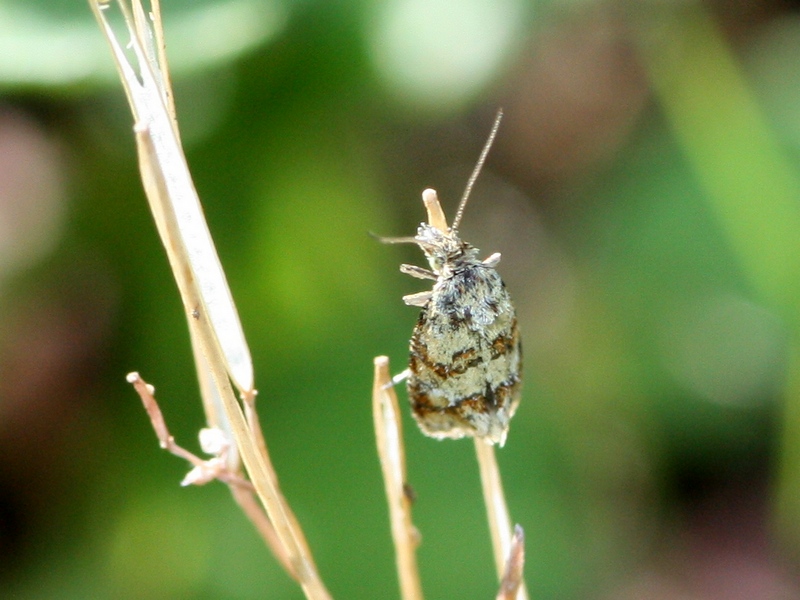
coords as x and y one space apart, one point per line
644 191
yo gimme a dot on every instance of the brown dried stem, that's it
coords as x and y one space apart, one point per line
249 504
496 510
389 434
241 489
512 578
251 416
220 349
203 334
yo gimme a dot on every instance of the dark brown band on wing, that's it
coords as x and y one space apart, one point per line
503 344
486 403
462 360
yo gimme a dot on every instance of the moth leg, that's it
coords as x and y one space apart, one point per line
417 272
401 376
418 299
493 260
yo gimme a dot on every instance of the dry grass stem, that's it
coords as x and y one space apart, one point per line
220 349
512 578
241 489
253 510
222 356
251 416
212 401
496 510
210 469
164 170
160 59
389 434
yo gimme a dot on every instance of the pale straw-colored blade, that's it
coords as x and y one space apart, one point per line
389 434
286 527
147 92
496 510
515 563
220 348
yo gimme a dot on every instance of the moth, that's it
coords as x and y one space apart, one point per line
465 366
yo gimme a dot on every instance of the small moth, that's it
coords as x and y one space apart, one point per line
464 373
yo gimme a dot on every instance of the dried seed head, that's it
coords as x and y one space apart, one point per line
435 213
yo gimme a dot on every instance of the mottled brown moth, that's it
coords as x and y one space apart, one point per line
465 367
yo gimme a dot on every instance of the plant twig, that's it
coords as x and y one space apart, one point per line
251 416
205 334
496 510
250 506
512 578
389 434
212 469
220 349
206 470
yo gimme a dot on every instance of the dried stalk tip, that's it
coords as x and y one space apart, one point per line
512 578
389 437
436 216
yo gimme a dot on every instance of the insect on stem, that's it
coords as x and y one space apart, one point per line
476 171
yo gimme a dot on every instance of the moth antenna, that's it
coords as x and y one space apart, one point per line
477 170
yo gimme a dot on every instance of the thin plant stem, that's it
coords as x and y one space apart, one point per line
496 510
241 489
255 513
251 416
389 435
211 313
512 577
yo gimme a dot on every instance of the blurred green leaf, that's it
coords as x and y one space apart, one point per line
57 43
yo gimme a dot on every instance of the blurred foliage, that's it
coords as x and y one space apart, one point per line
643 192
52 43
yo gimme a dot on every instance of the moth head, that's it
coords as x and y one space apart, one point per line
440 243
